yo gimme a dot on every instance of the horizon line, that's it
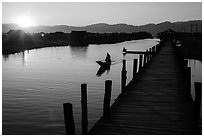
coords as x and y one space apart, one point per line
108 23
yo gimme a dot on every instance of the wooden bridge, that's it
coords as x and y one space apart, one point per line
156 102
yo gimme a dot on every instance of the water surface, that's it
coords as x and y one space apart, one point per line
37 82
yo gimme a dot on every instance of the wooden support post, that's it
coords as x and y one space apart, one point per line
148 56
84 109
124 65
69 119
140 62
198 99
188 81
134 69
107 98
123 77
144 60
154 51
150 50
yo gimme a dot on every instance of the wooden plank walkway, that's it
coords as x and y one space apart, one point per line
155 104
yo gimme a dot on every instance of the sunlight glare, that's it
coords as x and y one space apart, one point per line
24 21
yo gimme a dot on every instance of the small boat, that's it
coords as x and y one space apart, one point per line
103 63
104 66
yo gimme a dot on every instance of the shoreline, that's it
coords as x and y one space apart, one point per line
17 41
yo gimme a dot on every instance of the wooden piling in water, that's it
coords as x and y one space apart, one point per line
150 50
69 119
123 77
140 62
154 51
198 99
84 109
148 56
107 98
134 69
144 60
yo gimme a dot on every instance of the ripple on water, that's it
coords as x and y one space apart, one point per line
33 94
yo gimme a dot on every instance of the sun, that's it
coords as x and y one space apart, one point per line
24 21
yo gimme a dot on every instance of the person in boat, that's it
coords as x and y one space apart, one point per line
124 49
108 60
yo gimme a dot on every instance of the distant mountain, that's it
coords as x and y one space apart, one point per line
115 28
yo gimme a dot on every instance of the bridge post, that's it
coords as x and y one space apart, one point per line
155 48
150 50
107 98
148 56
124 77
154 51
144 60
69 119
134 69
198 99
84 109
140 62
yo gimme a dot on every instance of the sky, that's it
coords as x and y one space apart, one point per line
86 13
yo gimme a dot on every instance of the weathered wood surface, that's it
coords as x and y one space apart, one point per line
155 104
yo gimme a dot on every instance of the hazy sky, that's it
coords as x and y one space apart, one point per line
80 14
